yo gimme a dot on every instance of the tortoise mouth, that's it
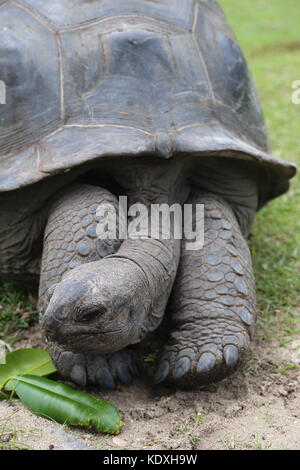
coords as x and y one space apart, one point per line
104 342
87 344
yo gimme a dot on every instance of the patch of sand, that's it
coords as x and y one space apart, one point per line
258 408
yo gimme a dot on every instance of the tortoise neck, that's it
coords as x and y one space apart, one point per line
151 184
152 181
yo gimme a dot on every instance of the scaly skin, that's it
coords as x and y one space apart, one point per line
213 304
98 306
70 241
105 371
70 238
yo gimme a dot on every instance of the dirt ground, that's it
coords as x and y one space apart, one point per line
258 408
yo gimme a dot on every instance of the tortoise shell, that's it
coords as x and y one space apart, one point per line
109 78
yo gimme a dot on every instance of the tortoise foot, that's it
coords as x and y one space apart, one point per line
202 354
104 371
212 309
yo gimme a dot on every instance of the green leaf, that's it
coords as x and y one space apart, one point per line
60 402
25 361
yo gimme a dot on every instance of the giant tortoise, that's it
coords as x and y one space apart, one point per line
153 100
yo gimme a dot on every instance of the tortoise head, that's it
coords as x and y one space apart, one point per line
98 308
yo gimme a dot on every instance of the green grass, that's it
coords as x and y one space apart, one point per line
17 311
268 31
12 437
263 24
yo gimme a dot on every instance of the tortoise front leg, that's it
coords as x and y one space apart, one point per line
213 303
70 240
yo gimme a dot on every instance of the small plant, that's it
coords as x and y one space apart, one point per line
23 375
192 429
11 437
287 368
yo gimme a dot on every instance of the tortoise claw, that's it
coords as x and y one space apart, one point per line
231 355
104 371
105 380
206 363
78 375
182 367
162 372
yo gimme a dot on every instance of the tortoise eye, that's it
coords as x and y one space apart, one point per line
91 314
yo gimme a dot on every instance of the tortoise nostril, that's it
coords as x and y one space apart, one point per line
50 335
50 323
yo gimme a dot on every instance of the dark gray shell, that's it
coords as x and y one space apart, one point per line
92 79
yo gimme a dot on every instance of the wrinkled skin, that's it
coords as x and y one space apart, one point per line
99 297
